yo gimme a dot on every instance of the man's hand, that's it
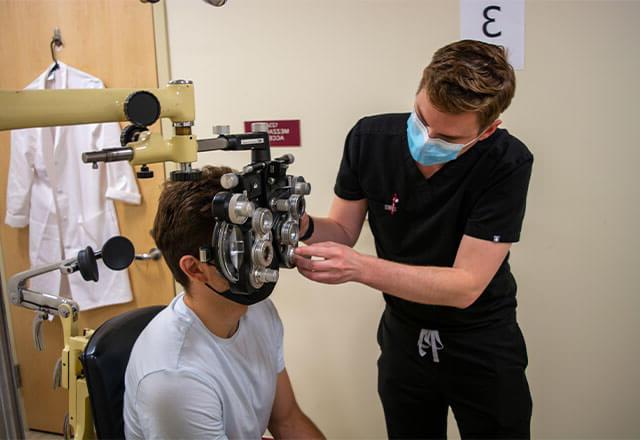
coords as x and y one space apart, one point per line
339 263
476 263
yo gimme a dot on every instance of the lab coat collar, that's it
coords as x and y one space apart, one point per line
60 79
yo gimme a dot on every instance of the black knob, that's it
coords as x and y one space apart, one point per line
88 265
130 133
145 173
118 253
186 176
220 205
142 108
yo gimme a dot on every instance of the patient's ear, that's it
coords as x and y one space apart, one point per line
192 268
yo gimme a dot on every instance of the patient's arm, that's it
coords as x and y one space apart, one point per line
178 405
287 419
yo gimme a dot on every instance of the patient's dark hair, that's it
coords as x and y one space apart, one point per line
184 221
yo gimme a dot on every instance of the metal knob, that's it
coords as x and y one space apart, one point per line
175 82
259 127
290 233
294 205
266 275
289 257
262 253
262 221
221 130
243 209
302 188
229 180
240 209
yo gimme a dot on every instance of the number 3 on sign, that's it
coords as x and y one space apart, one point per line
495 21
485 26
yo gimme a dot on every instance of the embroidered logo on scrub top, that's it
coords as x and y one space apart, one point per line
393 208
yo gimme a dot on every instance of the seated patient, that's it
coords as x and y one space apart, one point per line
206 366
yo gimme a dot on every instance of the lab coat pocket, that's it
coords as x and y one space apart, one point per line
44 242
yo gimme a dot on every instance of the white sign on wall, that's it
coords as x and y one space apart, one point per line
495 21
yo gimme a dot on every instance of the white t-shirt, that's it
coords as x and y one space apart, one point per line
182 381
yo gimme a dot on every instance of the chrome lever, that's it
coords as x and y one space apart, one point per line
153 254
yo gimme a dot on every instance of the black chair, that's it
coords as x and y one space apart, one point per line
105 362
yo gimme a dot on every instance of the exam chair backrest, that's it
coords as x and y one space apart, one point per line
105 361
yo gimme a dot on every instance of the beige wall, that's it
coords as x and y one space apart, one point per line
330 62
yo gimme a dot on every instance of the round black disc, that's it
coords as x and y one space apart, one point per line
118 253
142 108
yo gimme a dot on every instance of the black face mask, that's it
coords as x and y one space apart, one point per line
245 300
241 298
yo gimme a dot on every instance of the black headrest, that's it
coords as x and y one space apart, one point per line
118 253
105 361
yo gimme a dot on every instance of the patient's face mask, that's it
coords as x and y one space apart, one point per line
257 224
246 300
430 151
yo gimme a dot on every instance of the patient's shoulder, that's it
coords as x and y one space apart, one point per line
174 383
160 344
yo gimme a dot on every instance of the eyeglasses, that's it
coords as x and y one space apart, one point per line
426 127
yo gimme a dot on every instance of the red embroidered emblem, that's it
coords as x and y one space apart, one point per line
393 208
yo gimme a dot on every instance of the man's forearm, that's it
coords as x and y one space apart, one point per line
326 229
445 286
298 426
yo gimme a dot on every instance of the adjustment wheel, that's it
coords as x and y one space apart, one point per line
142 108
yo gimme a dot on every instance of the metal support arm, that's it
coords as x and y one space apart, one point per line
50 108
20 295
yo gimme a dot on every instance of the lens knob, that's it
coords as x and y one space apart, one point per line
266 275
262 221
262 253
229 180
290 233
302 188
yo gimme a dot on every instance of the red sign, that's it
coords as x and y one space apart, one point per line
285 133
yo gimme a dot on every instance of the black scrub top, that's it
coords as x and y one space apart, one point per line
421 221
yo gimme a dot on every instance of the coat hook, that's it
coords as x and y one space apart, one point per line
56 44
57 38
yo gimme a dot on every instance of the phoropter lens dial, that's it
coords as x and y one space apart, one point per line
262 221
262 253
290 233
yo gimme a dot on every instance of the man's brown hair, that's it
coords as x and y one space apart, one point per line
470 76
184 221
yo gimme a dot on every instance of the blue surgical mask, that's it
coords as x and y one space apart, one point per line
426 150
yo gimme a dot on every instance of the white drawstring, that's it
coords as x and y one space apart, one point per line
429 339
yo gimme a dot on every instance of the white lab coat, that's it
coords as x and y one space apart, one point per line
65 202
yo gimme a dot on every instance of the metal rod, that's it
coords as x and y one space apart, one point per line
213 144
153 254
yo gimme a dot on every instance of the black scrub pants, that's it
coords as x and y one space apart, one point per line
480 375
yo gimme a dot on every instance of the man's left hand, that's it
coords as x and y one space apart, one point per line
340 263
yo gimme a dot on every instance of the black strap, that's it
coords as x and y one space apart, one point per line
309 232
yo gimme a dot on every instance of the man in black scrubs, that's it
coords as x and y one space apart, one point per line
445 191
